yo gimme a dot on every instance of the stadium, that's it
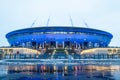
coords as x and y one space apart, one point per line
59 37
59 42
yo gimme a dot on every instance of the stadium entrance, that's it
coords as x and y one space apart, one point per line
53 44
67 44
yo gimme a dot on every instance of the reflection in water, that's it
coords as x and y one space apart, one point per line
59 72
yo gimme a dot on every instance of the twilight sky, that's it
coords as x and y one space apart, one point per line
99 14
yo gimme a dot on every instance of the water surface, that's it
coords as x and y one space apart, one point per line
59 72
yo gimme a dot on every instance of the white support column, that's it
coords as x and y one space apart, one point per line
63 44
30 44
79 45
56 44
23 44
43 45
76 45
82 45
39 45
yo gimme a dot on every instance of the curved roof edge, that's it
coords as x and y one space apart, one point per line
71 28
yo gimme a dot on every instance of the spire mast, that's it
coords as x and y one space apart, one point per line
71 20
48 21
85 23
33 23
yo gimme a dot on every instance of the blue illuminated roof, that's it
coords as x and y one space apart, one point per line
59 29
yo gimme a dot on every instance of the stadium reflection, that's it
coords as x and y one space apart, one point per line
59 72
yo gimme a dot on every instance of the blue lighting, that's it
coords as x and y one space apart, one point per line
59 34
